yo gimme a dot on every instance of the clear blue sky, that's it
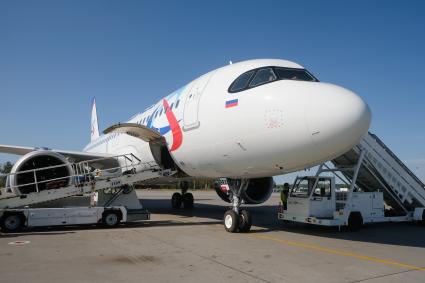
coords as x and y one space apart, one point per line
56 55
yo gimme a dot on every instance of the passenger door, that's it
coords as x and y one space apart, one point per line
191 107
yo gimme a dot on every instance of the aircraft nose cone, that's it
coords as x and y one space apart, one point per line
337 119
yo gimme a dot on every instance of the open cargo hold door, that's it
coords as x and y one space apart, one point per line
157 143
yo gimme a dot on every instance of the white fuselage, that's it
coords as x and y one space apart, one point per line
271 129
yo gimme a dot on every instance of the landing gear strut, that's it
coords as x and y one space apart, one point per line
184 197
236 219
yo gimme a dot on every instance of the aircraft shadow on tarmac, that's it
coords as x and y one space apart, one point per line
38 232
71 229
265 217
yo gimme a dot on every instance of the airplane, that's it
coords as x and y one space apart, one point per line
240 124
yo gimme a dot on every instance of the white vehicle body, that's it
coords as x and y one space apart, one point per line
39 217
316 200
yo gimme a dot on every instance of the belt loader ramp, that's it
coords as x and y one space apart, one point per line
380 188
114 185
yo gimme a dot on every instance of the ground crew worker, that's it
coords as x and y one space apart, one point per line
284 195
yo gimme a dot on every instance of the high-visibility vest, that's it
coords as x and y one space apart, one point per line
283 196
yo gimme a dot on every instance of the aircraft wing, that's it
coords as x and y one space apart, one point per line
73 156
135 130
18 150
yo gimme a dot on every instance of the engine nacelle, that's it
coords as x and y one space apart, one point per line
24 179
258 190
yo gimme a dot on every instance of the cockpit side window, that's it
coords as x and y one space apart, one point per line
241 82
294 74
263 76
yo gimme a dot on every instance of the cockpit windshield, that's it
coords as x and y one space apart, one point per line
263 76
242 82
260 76
294 74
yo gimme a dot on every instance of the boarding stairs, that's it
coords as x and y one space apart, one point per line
129 170
382 170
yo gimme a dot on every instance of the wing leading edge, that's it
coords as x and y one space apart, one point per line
73 156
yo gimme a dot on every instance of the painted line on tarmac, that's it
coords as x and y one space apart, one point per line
18 243
339 252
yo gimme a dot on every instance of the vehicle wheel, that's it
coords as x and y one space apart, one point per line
176 200
12 222
245 221
110 219
188 200
355 221
231 221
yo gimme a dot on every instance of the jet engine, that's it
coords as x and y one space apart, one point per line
28 175
257 191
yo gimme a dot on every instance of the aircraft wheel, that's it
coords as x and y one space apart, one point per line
231 221
12 222
176 200
188 200
245 221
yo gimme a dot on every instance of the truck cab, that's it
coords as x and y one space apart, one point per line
311 196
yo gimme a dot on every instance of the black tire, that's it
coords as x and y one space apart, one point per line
245 221
12 222
355 221
188 200
111 218
231 221
176 201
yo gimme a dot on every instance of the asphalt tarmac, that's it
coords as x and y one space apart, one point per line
192 246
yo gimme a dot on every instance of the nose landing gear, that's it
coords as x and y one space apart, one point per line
236 219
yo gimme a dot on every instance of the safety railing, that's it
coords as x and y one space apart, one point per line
81 173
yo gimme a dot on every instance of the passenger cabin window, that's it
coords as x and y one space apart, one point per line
294 74
241 82
263 76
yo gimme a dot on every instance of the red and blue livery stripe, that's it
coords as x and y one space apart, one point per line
174 125
231 103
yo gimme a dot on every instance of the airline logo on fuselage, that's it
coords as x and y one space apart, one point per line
173 123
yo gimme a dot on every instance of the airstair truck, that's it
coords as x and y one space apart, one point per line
376 187
26 200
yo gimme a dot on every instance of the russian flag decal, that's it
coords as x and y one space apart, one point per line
231 103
